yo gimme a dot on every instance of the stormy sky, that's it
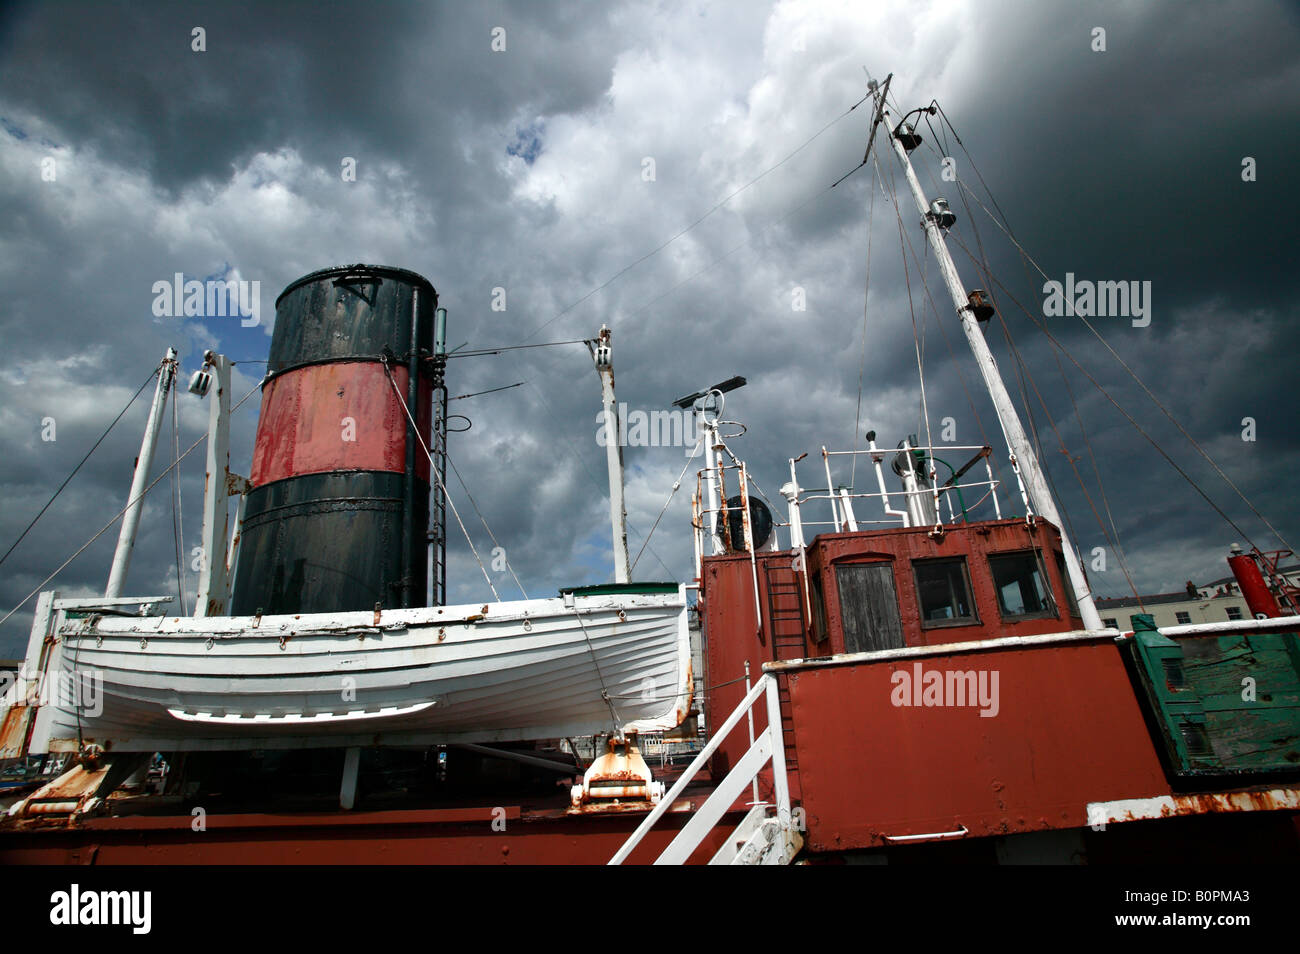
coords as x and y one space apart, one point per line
547 148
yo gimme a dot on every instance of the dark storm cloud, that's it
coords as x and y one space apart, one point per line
326 79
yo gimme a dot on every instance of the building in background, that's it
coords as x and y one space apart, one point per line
1219 601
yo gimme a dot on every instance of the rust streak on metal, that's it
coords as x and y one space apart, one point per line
66 793
1213 803
683 710
13 732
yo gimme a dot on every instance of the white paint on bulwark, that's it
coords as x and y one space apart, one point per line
1163 806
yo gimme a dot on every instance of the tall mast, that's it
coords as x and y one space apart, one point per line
135 500
1012 429
602 353
211 598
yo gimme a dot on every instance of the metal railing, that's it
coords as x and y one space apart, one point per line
920 500
922 495
767 747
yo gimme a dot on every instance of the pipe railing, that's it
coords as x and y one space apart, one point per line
920 488
767 747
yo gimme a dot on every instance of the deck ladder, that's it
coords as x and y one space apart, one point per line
785 615
768 834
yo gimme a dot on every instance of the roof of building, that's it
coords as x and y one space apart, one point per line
1285 570
1156 599
1117 602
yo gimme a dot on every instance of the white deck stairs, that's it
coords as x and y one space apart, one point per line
768 835
760 840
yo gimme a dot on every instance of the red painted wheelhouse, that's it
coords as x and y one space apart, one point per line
881 590
937 685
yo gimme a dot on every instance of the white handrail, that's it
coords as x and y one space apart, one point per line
768 746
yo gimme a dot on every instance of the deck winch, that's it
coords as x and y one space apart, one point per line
616 778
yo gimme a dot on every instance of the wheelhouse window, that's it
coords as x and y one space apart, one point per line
1234 612
943 593
1022 591
1183 618
869 607
1110 622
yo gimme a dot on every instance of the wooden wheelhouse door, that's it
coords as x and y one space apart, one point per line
868 607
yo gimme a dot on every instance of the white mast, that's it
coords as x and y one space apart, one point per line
1012 429
135 502
211 600
602 353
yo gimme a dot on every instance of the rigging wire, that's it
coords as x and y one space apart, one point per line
433 469
177 509
1105 502
930 297
862 364
1006 229
1022 369
905 245
579 458
916 340
736 248
1154 443
961 375
970 401
714 208
119 514
482 519
487 351
66 480
505 387
982 266
1024 374
920 339
1033 428
604 689
676 486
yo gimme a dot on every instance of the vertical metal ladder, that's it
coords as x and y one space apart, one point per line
785 614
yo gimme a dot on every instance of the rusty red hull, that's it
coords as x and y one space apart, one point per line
1067 731
480 835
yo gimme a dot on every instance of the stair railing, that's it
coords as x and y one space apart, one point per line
768 746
